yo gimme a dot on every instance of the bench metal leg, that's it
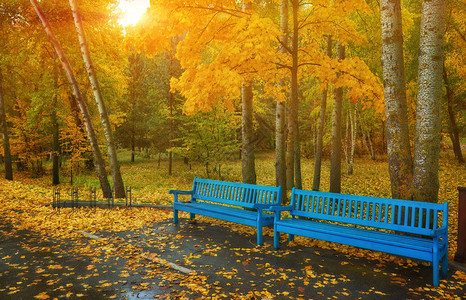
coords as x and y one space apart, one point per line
192 216
175 216
276 239
259 236
435 267
290 237
445 265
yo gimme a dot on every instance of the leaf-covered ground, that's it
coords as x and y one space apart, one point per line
124 253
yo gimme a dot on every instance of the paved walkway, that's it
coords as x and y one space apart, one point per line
154 263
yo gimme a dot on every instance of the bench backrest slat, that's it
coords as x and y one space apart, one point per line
232 193
391 214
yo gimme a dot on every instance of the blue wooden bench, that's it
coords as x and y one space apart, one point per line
406 228
235 202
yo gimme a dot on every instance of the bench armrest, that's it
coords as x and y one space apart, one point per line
442 231
260 206
178 192
281 208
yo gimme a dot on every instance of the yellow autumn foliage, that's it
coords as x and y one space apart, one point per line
219 46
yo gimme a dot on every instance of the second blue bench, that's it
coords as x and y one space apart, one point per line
408 228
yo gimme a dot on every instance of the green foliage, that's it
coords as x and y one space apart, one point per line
209 138
28 142
136 107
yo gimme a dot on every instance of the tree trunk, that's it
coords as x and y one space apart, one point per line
371 147
247 157
365 142
56 150
280 113
428 117
99 162
298 180
293 103
453 128
346 142
366 138
335 154
119 187
133 141
353 132
320 130
396 108
247 126
56 135
6 138
74 106
172 125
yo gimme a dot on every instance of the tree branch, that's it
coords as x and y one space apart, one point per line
284 45
232 12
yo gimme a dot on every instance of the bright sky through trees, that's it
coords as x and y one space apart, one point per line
132 10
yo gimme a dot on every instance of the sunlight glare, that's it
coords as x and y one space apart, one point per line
132 10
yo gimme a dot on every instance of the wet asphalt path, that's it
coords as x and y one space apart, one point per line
227 265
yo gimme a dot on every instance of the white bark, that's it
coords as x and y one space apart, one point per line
99 162
111 148
429 98
280 114
292 136
396 108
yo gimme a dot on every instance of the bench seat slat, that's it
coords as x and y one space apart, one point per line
380 225
356 241
206 209
223 201
380 237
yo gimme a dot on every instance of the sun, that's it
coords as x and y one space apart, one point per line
132 10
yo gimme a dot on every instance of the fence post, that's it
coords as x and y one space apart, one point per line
460 255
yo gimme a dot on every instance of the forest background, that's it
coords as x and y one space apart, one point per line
360 97
214 83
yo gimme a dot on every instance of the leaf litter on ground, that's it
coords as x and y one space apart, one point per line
22 210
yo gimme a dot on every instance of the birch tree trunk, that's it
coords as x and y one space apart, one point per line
429 99
396 108
320 130
293 103
280 113
5 136
99 162
280 144
247 127
350 139
111 148
335 154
